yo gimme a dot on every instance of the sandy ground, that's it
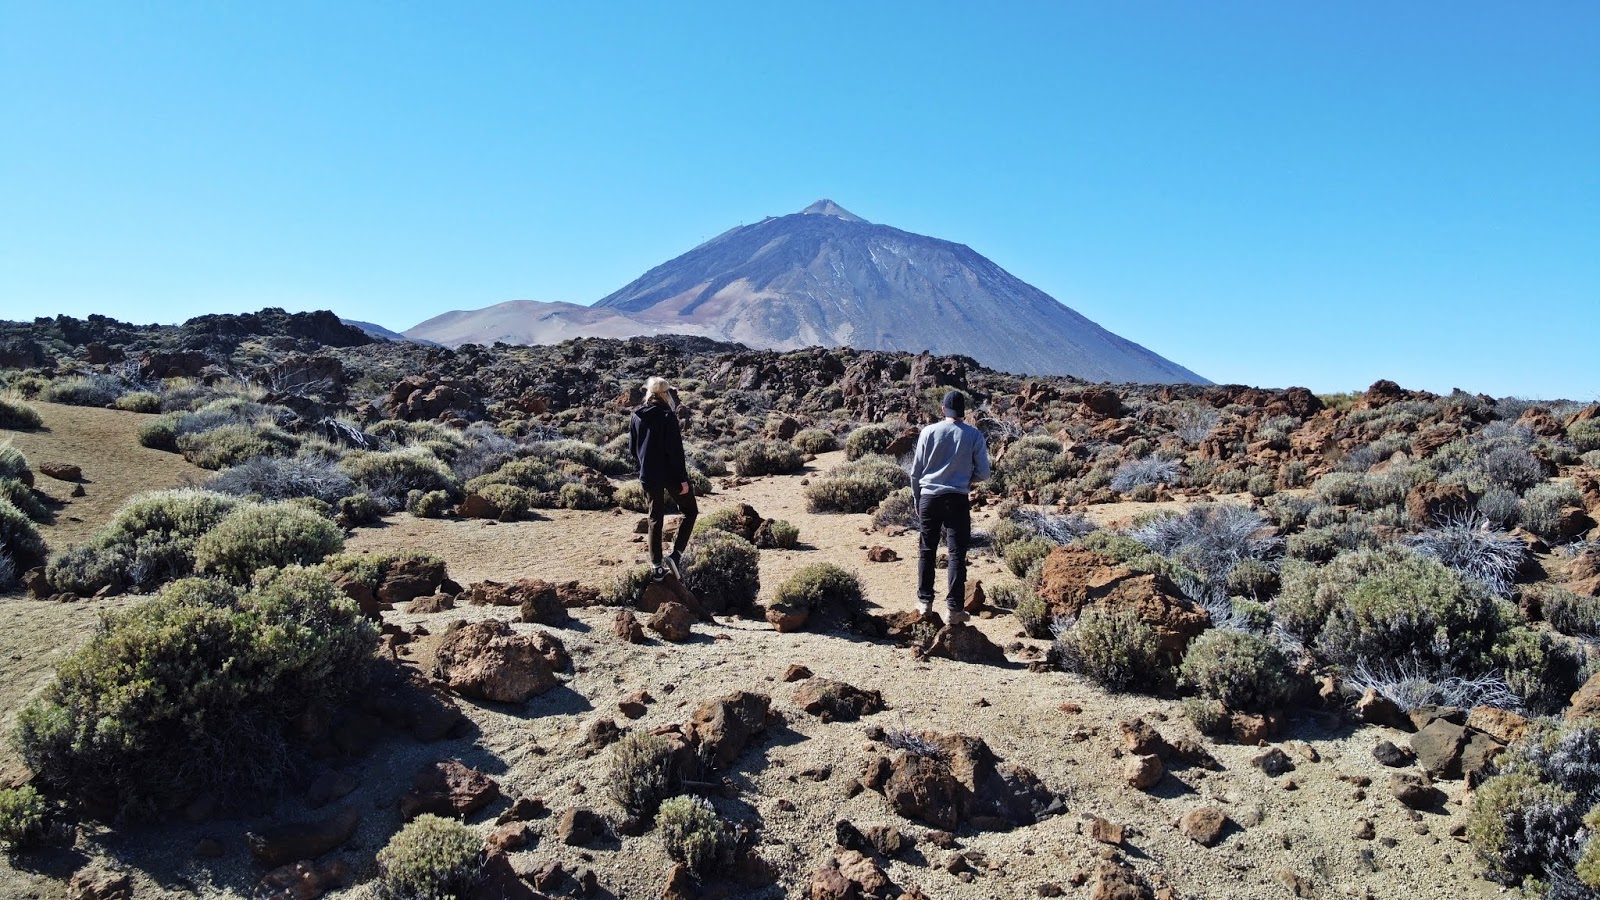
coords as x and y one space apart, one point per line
1301 822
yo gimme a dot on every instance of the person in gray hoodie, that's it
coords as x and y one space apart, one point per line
951 456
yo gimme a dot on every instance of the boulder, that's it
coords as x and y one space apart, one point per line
836 701
448 788
88 884
1204 825
672 621
1503 725
1435 502
1414 790
1074 578
1101 402
1142 772
1386 753
626 626
950 780
964 643
409 577
489 661
287 843
1438 747
61 471
1376 709
851 875
537 601
578 827
304 880
721 728
1478 755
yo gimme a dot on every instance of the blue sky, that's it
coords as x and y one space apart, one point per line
1269 193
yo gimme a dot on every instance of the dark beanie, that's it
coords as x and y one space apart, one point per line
955 404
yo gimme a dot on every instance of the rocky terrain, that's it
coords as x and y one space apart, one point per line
826 277
1228 641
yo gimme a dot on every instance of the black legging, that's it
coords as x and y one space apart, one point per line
658 498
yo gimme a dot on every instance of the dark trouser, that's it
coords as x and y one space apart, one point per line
952 515
657 495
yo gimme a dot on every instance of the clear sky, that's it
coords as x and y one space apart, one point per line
1270 193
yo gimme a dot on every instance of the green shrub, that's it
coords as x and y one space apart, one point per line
1252 578
160 434
1229 481
816 440
257 537
627 587
1262 485
193 690
1021 555
785 535
1116 547
1032 613
358 510
1005 533
1322 544
1544 669
723 570
1242 671
14 465
18 416
149 542
512 501
1005 595
431 858
230 445
1542 505
1527 822
644 772
586 455
428 504
1584 435
20 543
23 498
1115 649
1032 463
24 818
1568 613
896 511
577 495
820 587
693 834
388 476
1385 605
755 457
867 440
630 496
1207 715
139 402
855 487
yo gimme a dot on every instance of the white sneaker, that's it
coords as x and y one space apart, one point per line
958 617
924 607
675 565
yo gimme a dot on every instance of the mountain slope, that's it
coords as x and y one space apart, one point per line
536 322
826 276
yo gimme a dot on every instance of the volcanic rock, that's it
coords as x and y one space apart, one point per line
489 661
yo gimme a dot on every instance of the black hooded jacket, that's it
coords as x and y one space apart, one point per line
656 442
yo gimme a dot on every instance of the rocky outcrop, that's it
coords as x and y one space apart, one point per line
721 728
1075 578
489 661
448 788
947 781
836 701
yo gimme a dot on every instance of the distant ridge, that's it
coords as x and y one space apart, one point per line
825 276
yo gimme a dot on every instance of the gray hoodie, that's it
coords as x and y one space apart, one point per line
951 456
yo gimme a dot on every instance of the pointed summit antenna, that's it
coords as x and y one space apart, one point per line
826 207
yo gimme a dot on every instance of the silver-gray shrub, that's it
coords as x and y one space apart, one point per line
277 478
1062 529
8 571
486 451
1542 504
1501 507
1151 470
1411 685
1211 539
1513 466
1471 547
1192 423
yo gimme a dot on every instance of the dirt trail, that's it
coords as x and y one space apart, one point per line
105 444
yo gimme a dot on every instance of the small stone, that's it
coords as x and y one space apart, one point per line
1142 771
1364 830
796 673
1273 761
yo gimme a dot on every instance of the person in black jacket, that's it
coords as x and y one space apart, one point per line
656 442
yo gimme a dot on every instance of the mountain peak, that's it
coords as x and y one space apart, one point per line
826 207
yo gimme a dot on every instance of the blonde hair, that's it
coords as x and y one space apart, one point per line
656 387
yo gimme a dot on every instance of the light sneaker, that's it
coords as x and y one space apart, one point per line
924 607
958 617
675 565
